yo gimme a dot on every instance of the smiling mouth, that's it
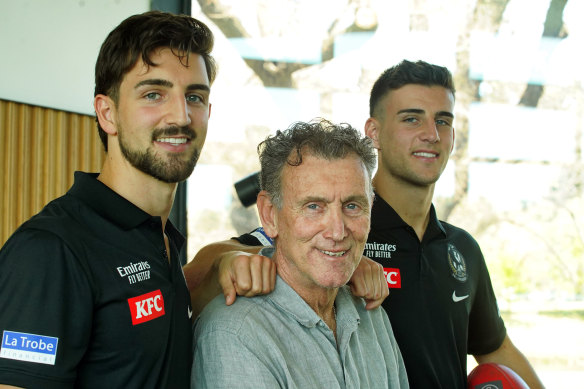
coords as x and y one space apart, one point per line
173 141
425 154
334 253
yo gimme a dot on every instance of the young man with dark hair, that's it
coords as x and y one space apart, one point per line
441 305
93 294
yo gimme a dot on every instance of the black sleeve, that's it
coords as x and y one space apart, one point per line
257 237
46 305
486 326
248 240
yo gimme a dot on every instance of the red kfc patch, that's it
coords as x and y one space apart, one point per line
146 307
393 277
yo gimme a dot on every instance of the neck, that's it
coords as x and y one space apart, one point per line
147 193
412 203
320 299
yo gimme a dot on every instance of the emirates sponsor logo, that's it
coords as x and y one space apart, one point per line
146 307
135 272
376 250
393 277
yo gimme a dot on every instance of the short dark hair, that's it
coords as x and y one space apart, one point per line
407 72
137 37
318 137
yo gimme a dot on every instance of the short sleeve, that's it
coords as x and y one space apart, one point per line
46 303
257 237
486 326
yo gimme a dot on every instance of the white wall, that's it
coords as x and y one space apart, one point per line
48 49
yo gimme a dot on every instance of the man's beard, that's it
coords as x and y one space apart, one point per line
171 171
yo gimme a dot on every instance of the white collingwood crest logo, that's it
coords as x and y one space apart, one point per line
456 263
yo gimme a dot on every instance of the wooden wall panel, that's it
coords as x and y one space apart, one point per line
40 148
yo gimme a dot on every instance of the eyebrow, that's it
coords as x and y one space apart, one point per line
357 198
352 198
421 111
168 84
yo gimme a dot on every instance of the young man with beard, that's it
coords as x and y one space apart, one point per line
93 294
310 332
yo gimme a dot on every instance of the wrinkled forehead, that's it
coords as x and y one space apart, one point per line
327 178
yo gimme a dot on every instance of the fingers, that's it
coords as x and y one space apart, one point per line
245 274
269 277
369 282
253 275
225 278
377 299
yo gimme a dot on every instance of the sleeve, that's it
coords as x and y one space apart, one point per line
257 237
46 303
221 360
486 326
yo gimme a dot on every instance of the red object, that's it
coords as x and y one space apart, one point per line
494 376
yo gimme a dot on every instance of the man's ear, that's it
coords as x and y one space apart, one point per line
268 215
105 110
453 139
372 131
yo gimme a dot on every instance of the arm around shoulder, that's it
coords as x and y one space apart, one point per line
198 268
231 268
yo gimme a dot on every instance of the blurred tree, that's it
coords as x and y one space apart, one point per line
553 28
486 16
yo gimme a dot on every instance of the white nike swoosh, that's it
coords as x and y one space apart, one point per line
190 313
456 298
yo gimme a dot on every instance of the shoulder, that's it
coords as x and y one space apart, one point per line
59 218
244 313
34 241
50 242
459 236
376 317
373 326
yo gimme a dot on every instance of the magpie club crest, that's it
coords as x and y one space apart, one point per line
456 263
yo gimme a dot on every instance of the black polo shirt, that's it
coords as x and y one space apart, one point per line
441 303
89 299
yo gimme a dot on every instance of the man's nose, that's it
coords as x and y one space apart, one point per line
430 132
178 112
336 229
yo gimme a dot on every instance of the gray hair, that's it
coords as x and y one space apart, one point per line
320 138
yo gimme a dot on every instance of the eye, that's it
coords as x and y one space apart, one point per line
443 122
313 206
152 96
194 99
353 208
411 120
